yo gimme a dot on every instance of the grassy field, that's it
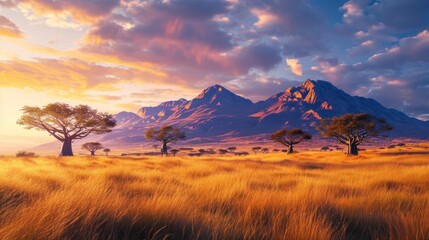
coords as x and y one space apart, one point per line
381 194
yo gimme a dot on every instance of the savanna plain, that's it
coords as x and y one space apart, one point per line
380 194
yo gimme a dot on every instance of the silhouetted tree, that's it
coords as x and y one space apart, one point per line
289 138
232 149
174 151
352 129
165 135
202 151
325 148
256 149
67 123
222 151
265 150
275 150
106 151
92 147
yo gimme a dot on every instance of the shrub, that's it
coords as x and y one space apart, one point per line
25 154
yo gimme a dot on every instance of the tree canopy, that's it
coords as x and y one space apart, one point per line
92 147
352 129
165 135
290 137
66 123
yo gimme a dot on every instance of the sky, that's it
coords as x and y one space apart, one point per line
119 55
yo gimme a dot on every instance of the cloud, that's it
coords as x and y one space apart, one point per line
410 49
294 66
259 56
295 22
65 76
366 47
8 28
67 13
397 76
258 86
352 10
408 94
401 15
265 18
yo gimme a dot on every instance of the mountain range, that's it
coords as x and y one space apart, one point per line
217 114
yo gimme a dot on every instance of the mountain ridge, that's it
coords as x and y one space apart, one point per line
217 115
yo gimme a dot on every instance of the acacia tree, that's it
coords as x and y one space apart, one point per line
106 151
290 137
352 129
232 149
256 149
174 151
67 123
92 147
222 151
165 135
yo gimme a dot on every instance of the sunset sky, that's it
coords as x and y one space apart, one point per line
120 55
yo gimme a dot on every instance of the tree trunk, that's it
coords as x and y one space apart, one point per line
66 150
290 149
92 153
352 149
164 149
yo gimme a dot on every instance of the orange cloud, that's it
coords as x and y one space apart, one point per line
295 66
67 14
265 17
8 28
65 76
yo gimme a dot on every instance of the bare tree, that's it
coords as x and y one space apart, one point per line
165 135
352 129
92 147
289 138
67 123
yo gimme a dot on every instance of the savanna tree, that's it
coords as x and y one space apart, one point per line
232 149
325 148
174 151
165 135
67 123
352 129
92 147
222 151
256 149
106 151
289 138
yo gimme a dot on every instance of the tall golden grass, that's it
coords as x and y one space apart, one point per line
382 194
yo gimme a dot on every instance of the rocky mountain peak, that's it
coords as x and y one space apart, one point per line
218 95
